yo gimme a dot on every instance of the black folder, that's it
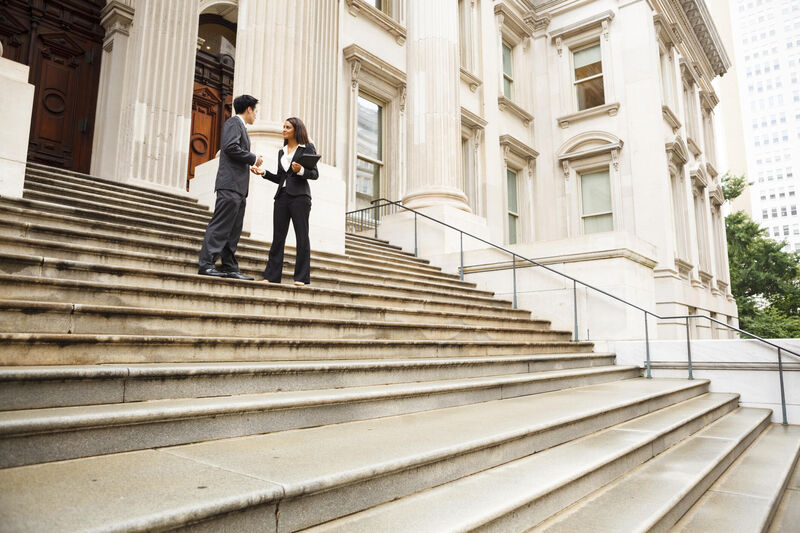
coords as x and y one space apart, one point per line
309 160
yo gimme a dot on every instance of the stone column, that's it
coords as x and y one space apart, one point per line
287 57
433 109
152 79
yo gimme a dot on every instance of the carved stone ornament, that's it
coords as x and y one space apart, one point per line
403 98
615 158
605 29
565 168
477 136
355 70
559 45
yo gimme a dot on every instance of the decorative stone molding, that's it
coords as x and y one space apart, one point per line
512 145
716 196
590 144
505 104
677 152
688 73
670 118
702 25
699 178
539 23
363 61
117 17
611 109
693 147
709 100
510 21
712 171
664 30
361 8
470 79
471 120
601 20
684 267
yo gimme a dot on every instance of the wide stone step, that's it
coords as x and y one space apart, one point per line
788 515
69 176
655 495
54 349
46 267
35 180
515 495
265 299
35 387
366 251
185 260
378 243
317 474
42 435
27 316
746 497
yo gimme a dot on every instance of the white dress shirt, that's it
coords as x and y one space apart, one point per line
286 161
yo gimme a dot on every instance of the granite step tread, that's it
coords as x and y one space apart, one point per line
51 434
655 495
314 474
788 515
511 496
281 300
79 176
746 497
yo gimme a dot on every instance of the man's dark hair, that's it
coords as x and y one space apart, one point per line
300 132
241 103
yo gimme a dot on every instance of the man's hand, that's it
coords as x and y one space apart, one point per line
259 161
296 166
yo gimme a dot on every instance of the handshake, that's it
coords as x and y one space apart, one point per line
255 169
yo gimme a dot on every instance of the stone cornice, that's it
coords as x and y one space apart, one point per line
117 17
699 177
512 21
564 32
518 148
706 33
611 109
670 118
360 7
361 59
577 257
470 79
471 120
504 103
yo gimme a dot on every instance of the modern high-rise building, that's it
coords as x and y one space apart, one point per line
767 51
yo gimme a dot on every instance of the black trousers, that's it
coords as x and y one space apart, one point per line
223 232
296 209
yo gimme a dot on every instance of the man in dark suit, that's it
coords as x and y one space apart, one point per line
232 186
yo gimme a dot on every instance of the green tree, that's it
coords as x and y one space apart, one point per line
764 278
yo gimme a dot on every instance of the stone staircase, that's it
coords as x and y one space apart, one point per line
387 396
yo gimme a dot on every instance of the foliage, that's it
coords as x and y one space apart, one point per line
733 186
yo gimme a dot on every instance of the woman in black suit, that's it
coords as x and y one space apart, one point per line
292 202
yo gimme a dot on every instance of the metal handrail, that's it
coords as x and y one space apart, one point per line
575 282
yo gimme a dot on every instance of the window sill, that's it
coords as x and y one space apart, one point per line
470 79
671 118
611 109
505 104
360 7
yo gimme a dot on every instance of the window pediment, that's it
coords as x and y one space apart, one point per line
576 32
589 144
677 152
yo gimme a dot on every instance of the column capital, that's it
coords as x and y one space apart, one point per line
117 17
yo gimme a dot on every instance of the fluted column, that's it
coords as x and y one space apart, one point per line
286 56
433 109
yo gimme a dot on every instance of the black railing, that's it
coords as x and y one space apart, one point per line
368 219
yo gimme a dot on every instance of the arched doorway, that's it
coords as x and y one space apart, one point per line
213 80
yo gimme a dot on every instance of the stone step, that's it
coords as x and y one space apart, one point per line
55 349
654 496
185 260
379 243
788 515
16 221
45 267
100 204
317 474
36 387
43 435
366 250
28 316
86 179
746 497
512 496
36 179
265 299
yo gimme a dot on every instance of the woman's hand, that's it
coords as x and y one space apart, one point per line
257 171
296 167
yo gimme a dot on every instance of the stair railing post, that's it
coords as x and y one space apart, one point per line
415 234
647 347
514 276
783 393
689 349
461 235
375 219
575 310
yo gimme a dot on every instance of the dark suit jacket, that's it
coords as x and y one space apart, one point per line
235 158
296 185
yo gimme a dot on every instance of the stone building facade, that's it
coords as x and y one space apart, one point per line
576 133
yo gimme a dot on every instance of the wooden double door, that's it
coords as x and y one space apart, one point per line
61 42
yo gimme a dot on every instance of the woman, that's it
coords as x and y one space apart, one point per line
292 202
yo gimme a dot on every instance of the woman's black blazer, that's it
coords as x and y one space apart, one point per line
296 185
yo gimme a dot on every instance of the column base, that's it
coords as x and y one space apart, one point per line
435 197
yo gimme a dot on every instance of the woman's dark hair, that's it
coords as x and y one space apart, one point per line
241 103
300 132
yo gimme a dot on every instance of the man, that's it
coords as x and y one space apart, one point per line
232 186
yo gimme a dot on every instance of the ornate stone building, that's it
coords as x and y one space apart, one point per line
577 133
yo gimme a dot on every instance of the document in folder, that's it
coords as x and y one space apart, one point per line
309 160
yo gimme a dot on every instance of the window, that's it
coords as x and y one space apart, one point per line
774 212
783 211
588 71
596 211
786 230
513 208
508 71
369 152
764 214
793 209
377 4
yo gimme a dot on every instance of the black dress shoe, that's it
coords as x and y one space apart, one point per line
212 271
238 275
